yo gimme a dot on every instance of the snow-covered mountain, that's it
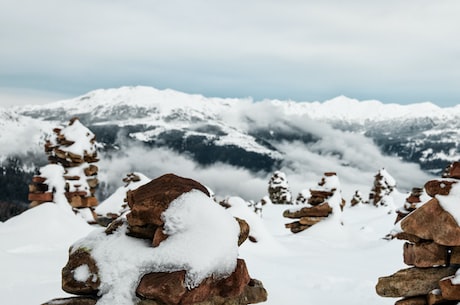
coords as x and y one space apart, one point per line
153 131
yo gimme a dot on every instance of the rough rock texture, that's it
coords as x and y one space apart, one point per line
421 300
80 258
72 301
431 222
425 254
322 210
278 189
413 281
410 204
438 187
449 291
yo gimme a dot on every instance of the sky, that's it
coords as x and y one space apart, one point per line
393 51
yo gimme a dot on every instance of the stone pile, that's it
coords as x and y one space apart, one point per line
432 248
74 149
411 203
357 198
384 184
278 189
145 221
318 205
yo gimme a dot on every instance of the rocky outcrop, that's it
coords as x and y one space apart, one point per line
73 175
148 204
432 248
323 200
410 204
278 189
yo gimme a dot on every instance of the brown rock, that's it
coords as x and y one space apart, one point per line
453 171
431 222
438 187
149 201
168 288
455 255
72 301
449 291
158 237
409 237
244 230
420 300
425 254
310 220
90 286
38 179
412 281
255 292
321 210
435 297
91 170
318 197
296 227
146 232
41 197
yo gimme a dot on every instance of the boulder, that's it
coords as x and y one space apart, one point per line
321 210
149 201
413 281
80 274
431 222
420 300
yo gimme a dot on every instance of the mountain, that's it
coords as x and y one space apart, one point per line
233 144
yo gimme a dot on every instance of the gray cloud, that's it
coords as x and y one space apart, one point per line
305 50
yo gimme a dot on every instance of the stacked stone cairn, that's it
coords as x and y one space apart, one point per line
357 198
317 207
384 184
278 189
411 203
74 149
432 248
145 221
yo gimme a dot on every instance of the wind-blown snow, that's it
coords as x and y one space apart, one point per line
202 240
450 202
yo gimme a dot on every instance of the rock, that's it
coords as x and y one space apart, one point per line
431 222
72 301
455 255
425 254
169 288
318 196
244 230
149 201
310 220
449 291
159 236
412 281
71 283
453 171
435 297
420 300
438 187
146 231
321 210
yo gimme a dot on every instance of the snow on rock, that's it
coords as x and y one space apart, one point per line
450 203
278 189
196 236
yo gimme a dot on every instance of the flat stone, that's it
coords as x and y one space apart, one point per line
426 254
412 281
321 210
449 291
431 222
310 220
420 300
72 301
438 187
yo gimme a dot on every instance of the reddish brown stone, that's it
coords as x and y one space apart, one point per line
420 300
431 222
158 237
426 254
149 201
318 197
69 284
310 220
453 171
147 231
438 187
41 197
449 291
296 227
72 301
435 297
408 237
91 170
166 287
412 281
321 210
38 179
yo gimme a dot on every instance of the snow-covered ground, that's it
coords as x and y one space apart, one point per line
328 263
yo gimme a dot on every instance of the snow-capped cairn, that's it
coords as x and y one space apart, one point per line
384 184
325 200
175 247
432 232
411 203
71 173
357 199
278 189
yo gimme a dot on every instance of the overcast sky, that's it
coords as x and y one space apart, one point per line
401 51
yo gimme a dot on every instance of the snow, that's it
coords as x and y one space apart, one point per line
202 239
81 273
326 264
82 137
53 174
450 202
